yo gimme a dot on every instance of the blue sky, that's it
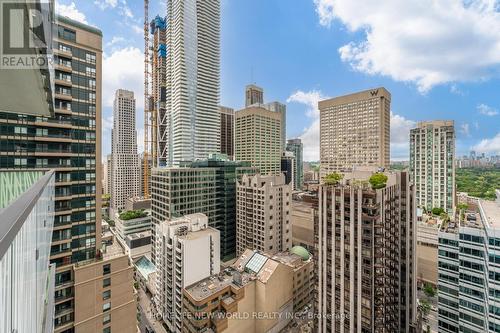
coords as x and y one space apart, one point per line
439 60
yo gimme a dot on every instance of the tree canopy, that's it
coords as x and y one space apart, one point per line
133 214
333 178
378 180
478 182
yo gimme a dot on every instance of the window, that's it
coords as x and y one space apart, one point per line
106 282
106 319
106 330
106 307
106 269
106 295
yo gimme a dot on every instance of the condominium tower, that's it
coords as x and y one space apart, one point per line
125 180
206 186
295 146
187 251
432 166
227 131
366 255
469 270
263 214
192 81
258 139
355 131
69 142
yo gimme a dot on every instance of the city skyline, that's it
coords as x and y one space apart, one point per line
323 40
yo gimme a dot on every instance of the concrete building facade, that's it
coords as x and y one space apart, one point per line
432 167
366 255
257 289
355 131
187 251
125 178
192 87
263 214
258 139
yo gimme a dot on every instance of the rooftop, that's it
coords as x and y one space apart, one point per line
112 250
250 266
491 210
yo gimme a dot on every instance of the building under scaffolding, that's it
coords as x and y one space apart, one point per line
155 120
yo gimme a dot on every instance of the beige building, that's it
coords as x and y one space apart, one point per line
355 131
432 164
263 214
302 220
258 138
366 255
427 251
104 294
258 293
253 95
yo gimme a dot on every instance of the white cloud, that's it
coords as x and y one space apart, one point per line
400 127
310 136
400 136
489 145
137 29
464 129
426 42
71 11
107 124
103 4
487 110
123 69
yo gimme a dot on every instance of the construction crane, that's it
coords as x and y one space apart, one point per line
150 138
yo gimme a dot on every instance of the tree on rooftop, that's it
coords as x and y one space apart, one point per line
133 214
378 180
437 211
333 178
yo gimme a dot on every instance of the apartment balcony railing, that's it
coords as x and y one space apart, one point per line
26 276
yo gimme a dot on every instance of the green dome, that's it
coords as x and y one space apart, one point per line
301 252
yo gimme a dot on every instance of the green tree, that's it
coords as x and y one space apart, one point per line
378 180
425 308
429 290
333 178
437 211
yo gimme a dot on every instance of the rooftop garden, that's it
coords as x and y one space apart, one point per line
133 214
333 178
378 180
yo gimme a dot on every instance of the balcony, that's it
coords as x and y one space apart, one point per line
26 229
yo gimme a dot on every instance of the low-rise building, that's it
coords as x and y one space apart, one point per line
255 294
427 249
132 221
302 219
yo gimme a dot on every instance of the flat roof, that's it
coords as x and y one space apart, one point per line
491 211
80 25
